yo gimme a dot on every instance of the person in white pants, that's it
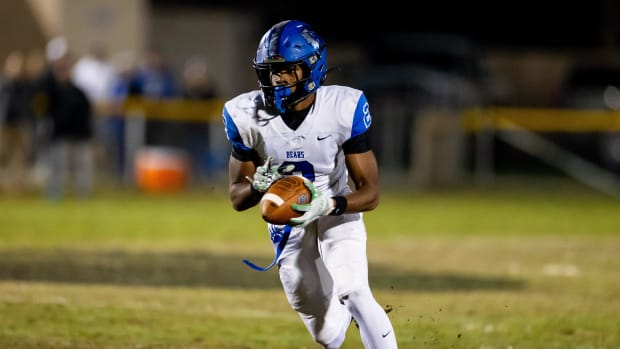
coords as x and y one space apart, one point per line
296 125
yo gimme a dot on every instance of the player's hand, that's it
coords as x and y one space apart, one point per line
320 205
266 174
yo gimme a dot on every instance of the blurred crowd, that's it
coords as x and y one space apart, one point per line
62 126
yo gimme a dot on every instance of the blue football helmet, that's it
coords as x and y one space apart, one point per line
286 44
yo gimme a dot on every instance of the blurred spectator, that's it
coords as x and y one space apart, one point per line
124 84
55 49
16 123
71 153
196 79
36 72
35 69
94 75
197 85
156 80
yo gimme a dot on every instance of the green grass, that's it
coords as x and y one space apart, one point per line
531 266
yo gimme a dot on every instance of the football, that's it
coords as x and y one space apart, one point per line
276 204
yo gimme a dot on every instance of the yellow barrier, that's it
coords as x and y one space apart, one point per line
474 120
165 109
174 109
541 119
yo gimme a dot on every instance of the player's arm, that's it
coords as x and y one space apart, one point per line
364 173
242 164
242 195
361 162
248 182
363 170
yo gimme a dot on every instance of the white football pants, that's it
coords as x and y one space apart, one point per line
324 272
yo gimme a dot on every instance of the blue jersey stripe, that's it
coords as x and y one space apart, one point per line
361 118
232 133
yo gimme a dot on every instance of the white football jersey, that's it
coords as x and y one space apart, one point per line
315 148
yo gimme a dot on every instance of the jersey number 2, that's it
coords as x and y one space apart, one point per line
303 168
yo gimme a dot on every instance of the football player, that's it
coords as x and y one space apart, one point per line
294 124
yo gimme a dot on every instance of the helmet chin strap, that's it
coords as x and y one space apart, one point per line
298 100
282 99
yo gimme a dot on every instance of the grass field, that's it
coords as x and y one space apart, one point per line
528 266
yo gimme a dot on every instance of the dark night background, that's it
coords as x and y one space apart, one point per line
536 46
527 24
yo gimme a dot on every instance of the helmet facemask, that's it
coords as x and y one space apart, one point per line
279 98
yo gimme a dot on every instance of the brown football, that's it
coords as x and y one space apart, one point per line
275 205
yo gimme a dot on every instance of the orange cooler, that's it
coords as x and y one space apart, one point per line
161 169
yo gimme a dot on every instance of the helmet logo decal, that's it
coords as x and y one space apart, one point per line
310 39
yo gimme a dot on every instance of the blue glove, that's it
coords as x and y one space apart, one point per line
266 174
320 205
